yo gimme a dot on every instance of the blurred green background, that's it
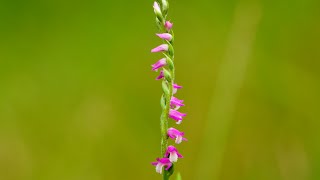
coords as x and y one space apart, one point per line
78 99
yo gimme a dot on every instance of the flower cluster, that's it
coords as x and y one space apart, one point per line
170 104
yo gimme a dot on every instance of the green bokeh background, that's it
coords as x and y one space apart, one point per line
78 99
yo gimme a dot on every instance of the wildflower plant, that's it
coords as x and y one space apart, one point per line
170 104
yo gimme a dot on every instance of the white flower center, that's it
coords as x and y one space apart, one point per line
179 139
159 168
173 157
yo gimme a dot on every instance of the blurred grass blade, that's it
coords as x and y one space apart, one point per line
230 79
178 176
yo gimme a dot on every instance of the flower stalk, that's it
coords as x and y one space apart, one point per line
169 104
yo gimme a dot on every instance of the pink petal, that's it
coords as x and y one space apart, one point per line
161 48
162 62
165 36
168 25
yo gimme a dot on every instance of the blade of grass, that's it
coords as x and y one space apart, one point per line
179 176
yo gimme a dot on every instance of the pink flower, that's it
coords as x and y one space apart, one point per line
176 115
175 134
161 163
175 102
162 62
161 75
165 36
168 25
173 154
161 48
175 88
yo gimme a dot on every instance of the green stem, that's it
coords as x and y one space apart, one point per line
166 176
167 95
164 125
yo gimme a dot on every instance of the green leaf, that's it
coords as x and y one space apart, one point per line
163 102
165 88
167 75
169 62
167 174
171 50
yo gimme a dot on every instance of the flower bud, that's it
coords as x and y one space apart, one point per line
165 36
168 25
157 11
161 48
165 6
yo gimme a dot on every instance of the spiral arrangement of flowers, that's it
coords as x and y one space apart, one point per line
170 104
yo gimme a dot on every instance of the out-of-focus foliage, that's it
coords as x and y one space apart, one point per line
78 100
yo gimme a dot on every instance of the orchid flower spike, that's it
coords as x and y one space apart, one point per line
176 134
175 102
175 88
169 103
161 48
173 154
165 36
168 25
176 115
162 62
161 163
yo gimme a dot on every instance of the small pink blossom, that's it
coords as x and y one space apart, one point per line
175 88
161 48
176 134
173 154
168 25
176 115
175 102
161 75
162 62
162 163
165 36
